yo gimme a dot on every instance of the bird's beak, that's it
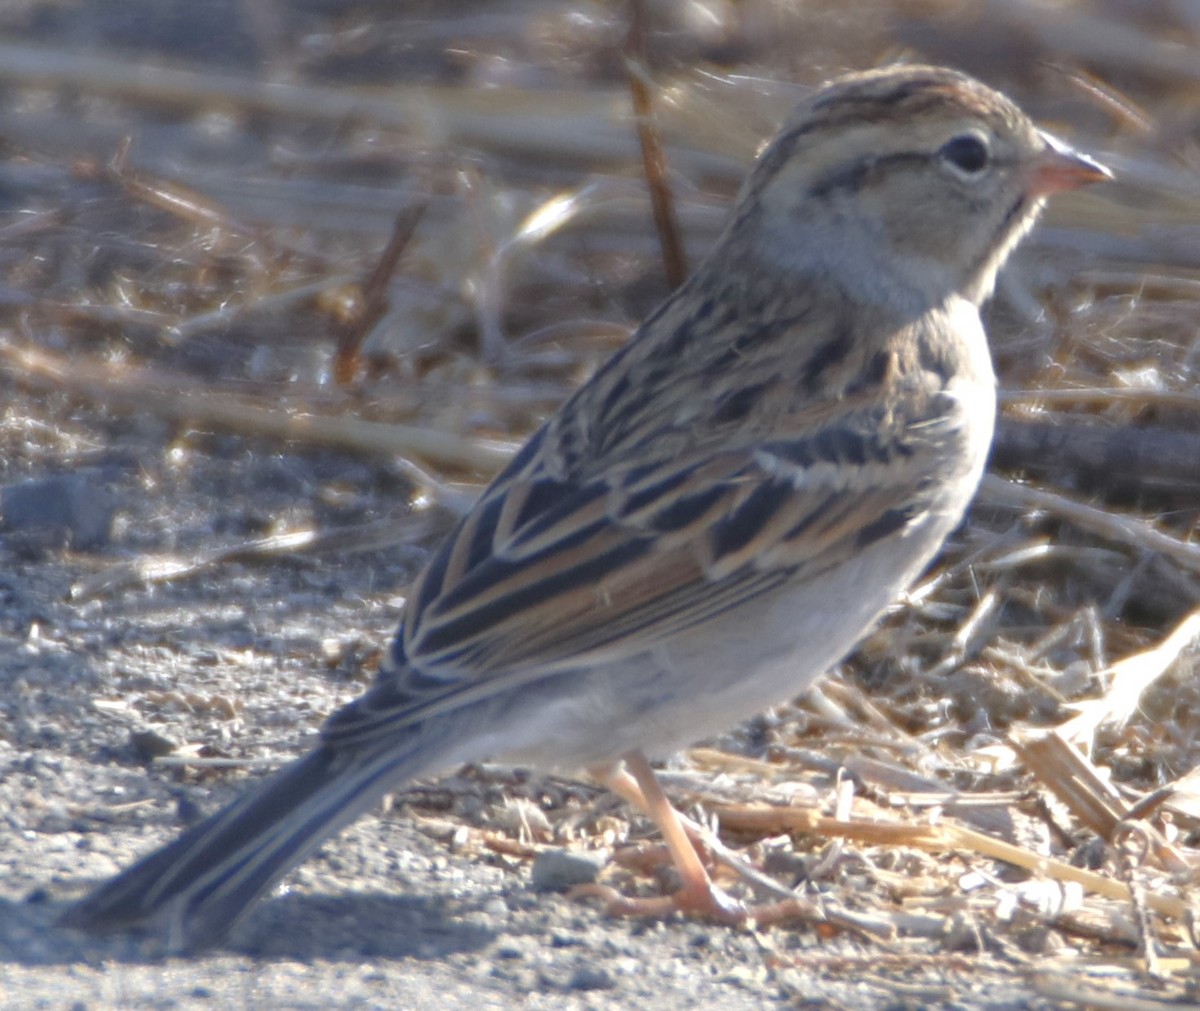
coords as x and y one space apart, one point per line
1060 168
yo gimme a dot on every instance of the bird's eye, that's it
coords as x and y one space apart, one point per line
967 153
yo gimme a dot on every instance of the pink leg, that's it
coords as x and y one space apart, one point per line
698 896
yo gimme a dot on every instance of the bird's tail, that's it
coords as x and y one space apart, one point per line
198 886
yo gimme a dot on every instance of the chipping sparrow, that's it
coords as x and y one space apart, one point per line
711 521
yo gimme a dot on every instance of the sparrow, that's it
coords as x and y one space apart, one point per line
714 519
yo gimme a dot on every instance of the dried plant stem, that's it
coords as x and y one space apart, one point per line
1094 396
936 838
1109 458
654 159
1130 530
144 390
547 121
374 301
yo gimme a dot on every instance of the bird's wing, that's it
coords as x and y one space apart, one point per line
547 574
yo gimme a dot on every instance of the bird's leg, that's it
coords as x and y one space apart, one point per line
636 783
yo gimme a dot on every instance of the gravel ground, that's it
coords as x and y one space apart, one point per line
386 915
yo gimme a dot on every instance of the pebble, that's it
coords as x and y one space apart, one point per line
67 507
557 870
590 978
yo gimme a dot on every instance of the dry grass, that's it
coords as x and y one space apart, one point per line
207 271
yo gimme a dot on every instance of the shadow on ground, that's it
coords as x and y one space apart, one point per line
304 928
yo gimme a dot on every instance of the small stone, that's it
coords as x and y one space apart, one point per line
149 744
187 810
69 508
1039 940
557 870
591 978
496 907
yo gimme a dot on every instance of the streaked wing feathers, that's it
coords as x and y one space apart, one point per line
545 574
551 572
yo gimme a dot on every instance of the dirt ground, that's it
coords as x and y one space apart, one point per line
205 540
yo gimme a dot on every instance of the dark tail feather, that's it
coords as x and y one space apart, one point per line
198 886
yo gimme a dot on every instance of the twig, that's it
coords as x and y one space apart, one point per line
164 194
1121 458
145 390
1065 989
1130 679
936 838
358 539
374 300
536 121
654 159
1073 780
1130 857
1130 530
1098 396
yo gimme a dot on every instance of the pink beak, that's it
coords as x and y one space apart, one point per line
1060 168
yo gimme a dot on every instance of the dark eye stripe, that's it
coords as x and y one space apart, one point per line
852 176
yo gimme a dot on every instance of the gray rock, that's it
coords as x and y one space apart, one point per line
67 509
558 870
